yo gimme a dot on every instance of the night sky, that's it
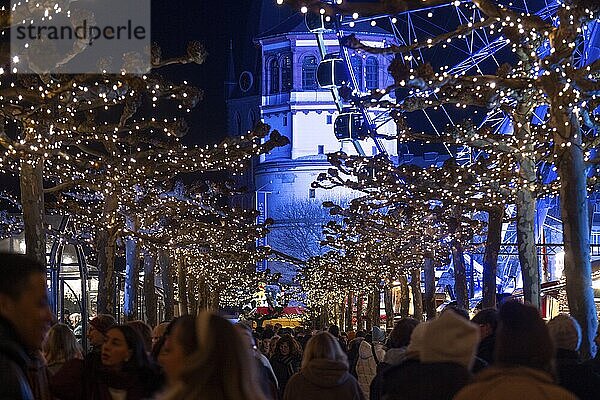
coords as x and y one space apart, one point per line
176 23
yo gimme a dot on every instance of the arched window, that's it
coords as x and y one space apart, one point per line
286 73
356 62
372 73
309 73
273 76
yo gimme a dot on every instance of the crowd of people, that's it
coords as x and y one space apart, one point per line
498 354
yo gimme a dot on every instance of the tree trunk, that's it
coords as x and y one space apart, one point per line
150 290
369 311
202 292
132 272
32 201
490 257
404 296
415 285
182 287
429 288
359 309
574 212
106 249
214 298
341 314
389 308
325 316
349 309
460 275
528 258
376 307
164 262
196 302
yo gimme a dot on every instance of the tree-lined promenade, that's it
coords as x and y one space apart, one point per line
106 150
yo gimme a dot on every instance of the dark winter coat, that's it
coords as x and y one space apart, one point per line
353 354
284 368
23 375
594 363
89 380
413 380
323 380
485 350
575 376
393 356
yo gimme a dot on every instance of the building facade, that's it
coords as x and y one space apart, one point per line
283 92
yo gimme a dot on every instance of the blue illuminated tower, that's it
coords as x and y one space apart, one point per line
283 92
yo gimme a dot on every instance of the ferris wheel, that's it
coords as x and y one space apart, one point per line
479 52
482 51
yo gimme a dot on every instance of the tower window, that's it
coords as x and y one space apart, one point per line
273 76
329 119
372 73
309 73
321 149
312 193
285 120
286 73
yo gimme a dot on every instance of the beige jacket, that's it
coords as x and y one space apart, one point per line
501 383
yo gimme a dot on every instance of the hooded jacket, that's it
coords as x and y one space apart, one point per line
366 366
499 383
323 379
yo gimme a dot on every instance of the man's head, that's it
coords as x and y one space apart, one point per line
487 319
98 327
24 298
334 330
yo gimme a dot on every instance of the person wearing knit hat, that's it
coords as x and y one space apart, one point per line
98 326
450 339
572 373
446 348
565 332
523 360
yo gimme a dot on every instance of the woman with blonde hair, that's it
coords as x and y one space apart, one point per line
221 366
324 374
59 347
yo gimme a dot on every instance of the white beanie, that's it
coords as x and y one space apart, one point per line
565 332
450 338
